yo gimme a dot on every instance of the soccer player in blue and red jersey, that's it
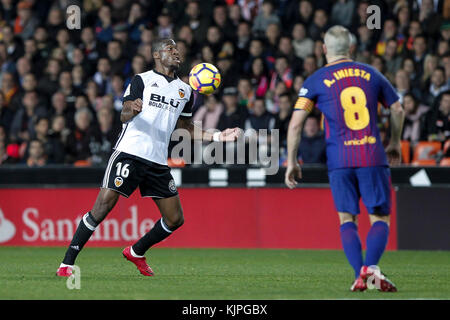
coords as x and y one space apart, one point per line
348 93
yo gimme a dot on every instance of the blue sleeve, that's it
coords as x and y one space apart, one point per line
134 90
387 95
308 89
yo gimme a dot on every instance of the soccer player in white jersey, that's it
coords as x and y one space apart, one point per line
154 104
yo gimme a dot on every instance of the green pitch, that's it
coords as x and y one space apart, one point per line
29 273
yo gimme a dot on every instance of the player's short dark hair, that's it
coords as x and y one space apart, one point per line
158 44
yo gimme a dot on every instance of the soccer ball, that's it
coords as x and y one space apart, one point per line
204 78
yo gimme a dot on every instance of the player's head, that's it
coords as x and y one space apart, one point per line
337 42
165 53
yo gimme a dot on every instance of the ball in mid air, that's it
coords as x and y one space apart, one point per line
204 78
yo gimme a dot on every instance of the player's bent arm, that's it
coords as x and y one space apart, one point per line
397 119
130 109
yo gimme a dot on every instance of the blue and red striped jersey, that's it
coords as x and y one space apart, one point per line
347 93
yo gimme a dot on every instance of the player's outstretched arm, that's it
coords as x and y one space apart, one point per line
393 150
230 134
293 169
130 109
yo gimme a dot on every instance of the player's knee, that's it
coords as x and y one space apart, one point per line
175 221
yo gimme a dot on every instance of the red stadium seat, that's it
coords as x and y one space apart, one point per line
82 163
176 163
445 162
406 151
425 152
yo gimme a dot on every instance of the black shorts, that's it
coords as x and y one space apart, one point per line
125 172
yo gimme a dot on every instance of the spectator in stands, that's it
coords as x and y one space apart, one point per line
48 84
13 45
260 119
136 21
63 40
283 117
58 129
259 78
319 25
89 46
312 146
309 65
29 84
272 37
220 19
9 87
409 66
392 60
365 44
36 154
53 147
319 53
103 25
437 122
25 22
55 21
246 95
303 46
103 76
266 17
6 115
67 88
77 145
402 85
282 73
104 136
418 53
209 113
59 107
286 49
438 85
301 12
430 63
165 26
256 50
22 127
414 118
119 64
195 21
342 12
389 32
233 116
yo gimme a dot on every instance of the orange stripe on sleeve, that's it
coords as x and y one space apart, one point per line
304 104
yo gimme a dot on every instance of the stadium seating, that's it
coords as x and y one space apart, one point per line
426 152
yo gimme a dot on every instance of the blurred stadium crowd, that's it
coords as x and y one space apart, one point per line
61 89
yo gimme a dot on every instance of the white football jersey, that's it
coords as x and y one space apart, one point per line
164 100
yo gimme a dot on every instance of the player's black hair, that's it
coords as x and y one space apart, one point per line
158 44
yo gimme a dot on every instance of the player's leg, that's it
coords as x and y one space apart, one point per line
105 202
375 188
344 188
121 178
158 184
171 219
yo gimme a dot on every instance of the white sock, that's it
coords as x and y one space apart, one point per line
62 265
134 253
